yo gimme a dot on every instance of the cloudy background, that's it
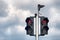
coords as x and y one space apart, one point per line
14 12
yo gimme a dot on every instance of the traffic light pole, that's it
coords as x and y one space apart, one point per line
37 21
37 25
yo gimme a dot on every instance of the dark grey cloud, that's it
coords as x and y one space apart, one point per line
3 7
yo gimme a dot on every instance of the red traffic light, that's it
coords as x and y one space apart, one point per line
28 20
45 21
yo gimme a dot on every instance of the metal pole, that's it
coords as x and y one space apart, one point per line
37 25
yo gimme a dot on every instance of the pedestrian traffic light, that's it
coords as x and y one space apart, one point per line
29 26
44 25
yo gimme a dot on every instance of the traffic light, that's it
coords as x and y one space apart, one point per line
44 25
29 26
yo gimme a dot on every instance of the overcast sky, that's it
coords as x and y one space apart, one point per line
14 12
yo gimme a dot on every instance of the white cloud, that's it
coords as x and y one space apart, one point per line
22 2
8 2
54 14
21 14
18 2
27 2
54 18
20 29
44 1
15 30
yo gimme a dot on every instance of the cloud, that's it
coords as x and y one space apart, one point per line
8 31
54 17
44 2
10 21
56 2
54 32
53 21
13 33
3 7
22 2
15 30
58 25
18 3
20 29
9 25
30 5
15 17
1 38
20 13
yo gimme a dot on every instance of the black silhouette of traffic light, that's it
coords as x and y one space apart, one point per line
29 26
44 25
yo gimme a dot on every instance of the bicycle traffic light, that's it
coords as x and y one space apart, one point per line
29 26
44 25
